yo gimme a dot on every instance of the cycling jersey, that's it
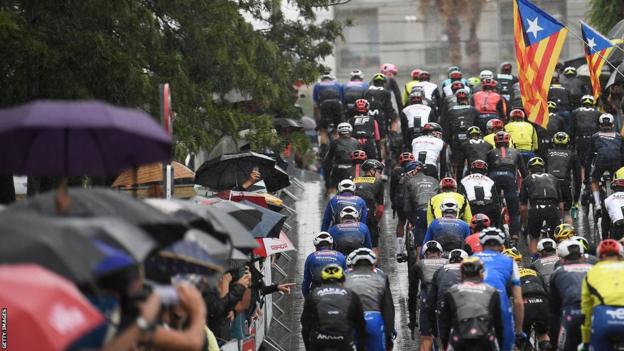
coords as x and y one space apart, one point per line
413 118
576 88
556 123
350 236
474 243
535 299
434 211
488 102
476 149
327 90
449 232
456 122
314 264
423 272
545 266
407 89
380 99
606 148
446 86
340 151
540 186
419 189
478 189
615 207
490 140
337 203
352 91
559 94
445 277
583 123
371 189
505 83
523 134
365 127
507 160
428 149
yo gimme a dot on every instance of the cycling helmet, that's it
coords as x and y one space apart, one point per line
588 101
617 183
432 127
461 93
432 245
514 254
416 73
416 96
582 241
501 138
406 156
346 185
536 162
424 76
474 130
474 81
479 221
379 77
451 70
449 207
606 119
332 272
478 166
563 231
569 249
546 244
457 255
552 106
609 247
358 155
363 254
492 234
569 71
486 74
490 83
362 105
619 174
412 165
456 86
372 164
349 259
349 211
505 68
357 74
555 77
561 138
448 183
455 75
344 128
494 124
389 67
471 267
323 238
517 114
328 76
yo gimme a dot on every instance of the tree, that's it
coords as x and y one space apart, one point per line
604 14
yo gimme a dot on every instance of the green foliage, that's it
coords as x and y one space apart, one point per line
604 14
119 51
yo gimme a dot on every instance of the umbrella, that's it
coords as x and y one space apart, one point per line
231 170
151 173
245 214
47 312
50 243
271 246
73 138
227 145
271 223
114 259
617 32
308 123
104 202
284 123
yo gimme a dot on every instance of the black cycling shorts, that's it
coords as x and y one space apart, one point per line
338 174
373 227
535 313
331 113
540 213
566 193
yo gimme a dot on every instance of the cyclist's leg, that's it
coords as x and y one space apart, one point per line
508 184
420 228
375 334
570 330
425 325
373 228
400 235
534 227
606 327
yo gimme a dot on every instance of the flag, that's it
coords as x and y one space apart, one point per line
597 49
538 39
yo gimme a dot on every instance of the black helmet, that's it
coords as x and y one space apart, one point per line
372 164
432 127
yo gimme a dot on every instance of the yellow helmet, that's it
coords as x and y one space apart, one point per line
563 231
514 254
619 174
332 271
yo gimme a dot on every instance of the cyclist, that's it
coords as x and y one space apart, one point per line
448 193
390 70
475 148
478 222
422 275
366 129
502 273
542 191
556 122
358 157
504 163
506 82
583 124
370 188
614 216
431 89
454 75
565 294
353 90
607 151
430 150
523 134
545 264
535 295
380 100
324 255
489 103
457 121
470 317
559 94
450 231
575 86
409 86
481 193
494 126
373 288
562 162
414 117
350 234
602 299
327 98
450 100
331 314
397 196
345 197
338 158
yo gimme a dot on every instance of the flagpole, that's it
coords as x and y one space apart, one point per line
597 52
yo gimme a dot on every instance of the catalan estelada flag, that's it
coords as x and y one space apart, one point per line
597 50
538 39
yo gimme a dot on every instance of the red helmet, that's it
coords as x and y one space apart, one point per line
609 247
448 183
424 76
358 155
456 86
362 105
501 137
488 82
480 221
495 124
405 157
517 114
416 73
455 75
479 166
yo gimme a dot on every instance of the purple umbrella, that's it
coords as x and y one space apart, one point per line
72 138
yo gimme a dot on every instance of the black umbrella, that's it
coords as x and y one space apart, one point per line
285 123
246 215
104 202
271 223
231 170
49 242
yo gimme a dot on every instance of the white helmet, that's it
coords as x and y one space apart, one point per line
449 206
361 254
492 233
546 243
349 259
349 211
432 244
457 255
486 74
323 237
344 128
569 247
346 185
357 74
584 243
328 76
606 119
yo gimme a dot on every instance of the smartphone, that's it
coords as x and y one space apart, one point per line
168 294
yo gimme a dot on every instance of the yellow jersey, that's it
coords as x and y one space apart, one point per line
603 285
407 90
490 140
434 211
523 134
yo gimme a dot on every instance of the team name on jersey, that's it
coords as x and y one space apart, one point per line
331 291
370 180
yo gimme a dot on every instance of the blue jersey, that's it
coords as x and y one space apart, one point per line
315 263
327 90
448 82
502 272
350 236
337 203
451 233
353 90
